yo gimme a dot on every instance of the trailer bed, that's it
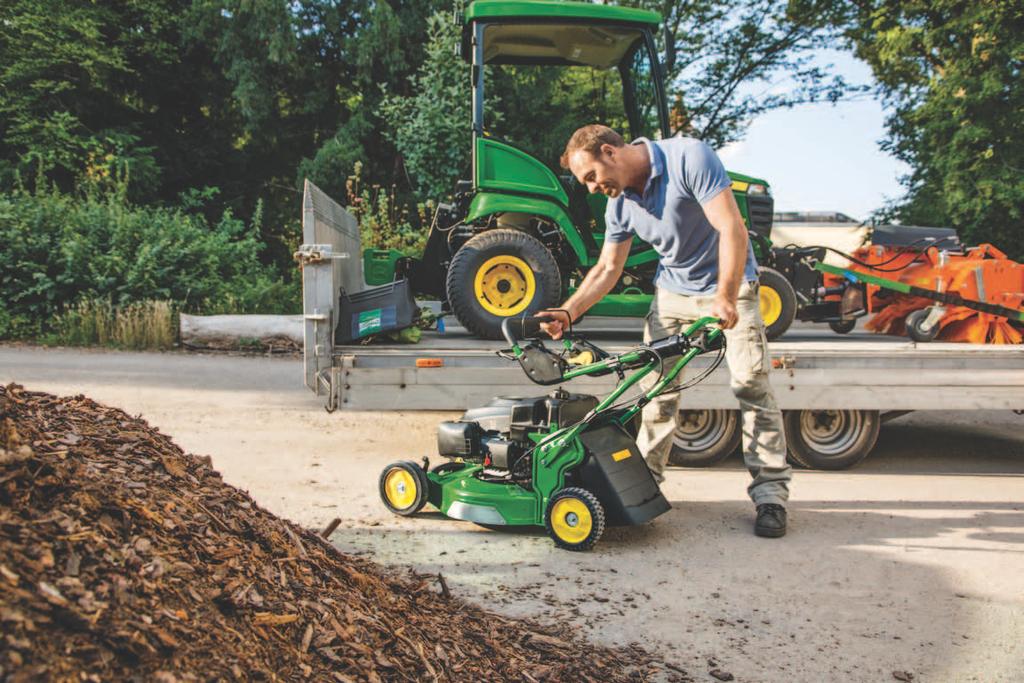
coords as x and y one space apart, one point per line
812 368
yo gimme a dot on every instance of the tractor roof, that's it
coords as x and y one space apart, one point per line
483 10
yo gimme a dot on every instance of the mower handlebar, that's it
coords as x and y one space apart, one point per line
525 327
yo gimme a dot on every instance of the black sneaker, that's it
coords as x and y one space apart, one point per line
771 520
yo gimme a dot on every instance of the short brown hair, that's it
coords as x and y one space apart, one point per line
589 139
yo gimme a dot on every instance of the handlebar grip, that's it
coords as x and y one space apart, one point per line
526 327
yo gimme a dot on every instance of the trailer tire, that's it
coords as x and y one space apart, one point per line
830 439
777 301
843 326
705 437
498 274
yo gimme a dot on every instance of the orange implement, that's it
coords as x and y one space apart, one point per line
974 297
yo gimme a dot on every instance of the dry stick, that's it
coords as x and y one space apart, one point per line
444 586
423 657
329 529
215 518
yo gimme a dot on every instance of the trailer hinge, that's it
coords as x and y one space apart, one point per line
316 253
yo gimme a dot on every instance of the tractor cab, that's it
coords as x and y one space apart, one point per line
606 55
522 232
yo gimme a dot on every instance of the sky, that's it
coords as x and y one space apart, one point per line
822 157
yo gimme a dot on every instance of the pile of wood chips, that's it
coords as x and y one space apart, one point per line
124 558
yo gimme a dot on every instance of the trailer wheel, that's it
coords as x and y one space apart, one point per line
778 302
831 439
915 327
705 437
403 487
843 326
498 274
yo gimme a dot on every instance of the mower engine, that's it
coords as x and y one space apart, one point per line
495 435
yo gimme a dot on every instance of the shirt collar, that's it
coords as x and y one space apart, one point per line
657 163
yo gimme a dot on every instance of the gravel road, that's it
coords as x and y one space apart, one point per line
911 563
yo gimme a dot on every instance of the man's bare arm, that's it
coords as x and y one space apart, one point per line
724 216
598 282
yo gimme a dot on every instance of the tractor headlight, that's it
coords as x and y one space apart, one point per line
758 189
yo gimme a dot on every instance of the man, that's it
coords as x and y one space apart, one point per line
676 196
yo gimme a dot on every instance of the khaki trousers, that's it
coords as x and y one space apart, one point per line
764 442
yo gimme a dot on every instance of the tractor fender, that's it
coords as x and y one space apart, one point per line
489 203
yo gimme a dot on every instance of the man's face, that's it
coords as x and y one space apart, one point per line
602 173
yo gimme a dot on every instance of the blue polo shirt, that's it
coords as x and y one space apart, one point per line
685 174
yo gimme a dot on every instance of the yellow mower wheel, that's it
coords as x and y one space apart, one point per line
574 519
403 487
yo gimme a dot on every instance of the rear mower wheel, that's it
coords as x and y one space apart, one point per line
403 487
498 274
574 519
830 439
777 300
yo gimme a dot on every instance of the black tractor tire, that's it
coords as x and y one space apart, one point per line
705 437
394 487
560 526
915 331
843 326
778 302
830 439
504 253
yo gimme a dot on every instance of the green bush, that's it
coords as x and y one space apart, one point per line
59 250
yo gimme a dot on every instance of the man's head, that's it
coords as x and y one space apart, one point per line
601 160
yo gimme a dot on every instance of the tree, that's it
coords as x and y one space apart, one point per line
951 71
728 61
431 127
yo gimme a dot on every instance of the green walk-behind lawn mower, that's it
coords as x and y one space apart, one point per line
519 236
567 462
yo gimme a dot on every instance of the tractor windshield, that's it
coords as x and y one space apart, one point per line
544 80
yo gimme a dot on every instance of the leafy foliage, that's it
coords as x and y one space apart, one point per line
952 73
60 249
431 127
384 220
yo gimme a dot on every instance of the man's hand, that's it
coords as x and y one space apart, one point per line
725 310
560 322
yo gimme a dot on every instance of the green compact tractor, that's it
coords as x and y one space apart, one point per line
567 462
519 238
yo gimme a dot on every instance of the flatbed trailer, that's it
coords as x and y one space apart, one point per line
834 391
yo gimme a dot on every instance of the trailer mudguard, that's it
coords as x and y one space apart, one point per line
616 473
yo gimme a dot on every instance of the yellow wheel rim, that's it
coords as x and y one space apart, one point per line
400 488
771 304
571 520
504 285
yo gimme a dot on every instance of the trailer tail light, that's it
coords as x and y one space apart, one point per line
429 363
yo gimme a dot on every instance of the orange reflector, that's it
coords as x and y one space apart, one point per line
429 363
621 455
